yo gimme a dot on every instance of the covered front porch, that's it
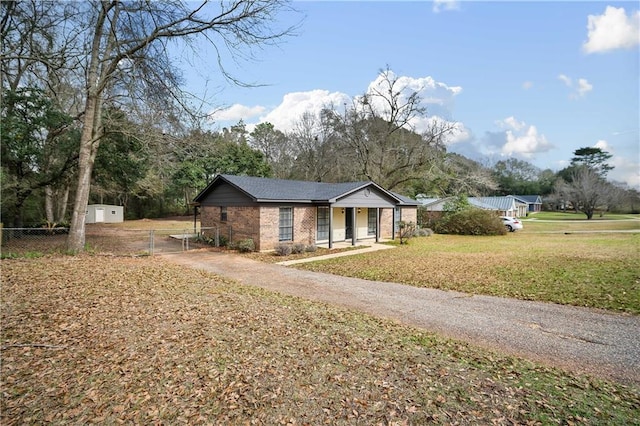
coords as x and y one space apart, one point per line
352 225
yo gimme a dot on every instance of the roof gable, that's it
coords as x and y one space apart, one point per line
531 199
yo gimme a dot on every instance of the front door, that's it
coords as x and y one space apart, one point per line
348 223
99 215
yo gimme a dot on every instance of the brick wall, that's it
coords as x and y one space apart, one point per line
269 231
410 214
386 220
242 222
304 226
386 223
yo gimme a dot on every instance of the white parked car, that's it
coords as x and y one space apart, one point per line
512 223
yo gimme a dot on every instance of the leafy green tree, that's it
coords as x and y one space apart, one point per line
33 132
593 158
457 204
119 53
517 177
239 159
122 162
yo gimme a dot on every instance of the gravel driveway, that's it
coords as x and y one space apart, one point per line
582 340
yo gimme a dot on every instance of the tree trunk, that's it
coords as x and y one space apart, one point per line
61 210
91 129
48 204
89 141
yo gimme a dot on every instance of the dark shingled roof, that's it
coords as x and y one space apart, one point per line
267 189
294 190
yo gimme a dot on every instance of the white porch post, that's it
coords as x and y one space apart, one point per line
330 227
354 226
393 223
377 224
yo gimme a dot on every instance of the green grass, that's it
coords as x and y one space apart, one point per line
600 270
581 216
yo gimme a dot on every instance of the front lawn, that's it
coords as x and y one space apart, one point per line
111 340
584 269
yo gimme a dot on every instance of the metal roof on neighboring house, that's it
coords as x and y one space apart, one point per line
505 203
268 189
482 204
499 203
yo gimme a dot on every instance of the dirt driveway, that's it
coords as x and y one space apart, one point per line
582 340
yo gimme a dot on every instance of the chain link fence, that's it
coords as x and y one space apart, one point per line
25 242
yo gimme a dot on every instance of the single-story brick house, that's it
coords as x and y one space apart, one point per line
272 211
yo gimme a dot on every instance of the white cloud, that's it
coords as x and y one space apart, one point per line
626 165
583 86
437 97
527 85
236 112
286 115
625 170
603 145
525 143
511 123
612 30
565 79
458 134
440 5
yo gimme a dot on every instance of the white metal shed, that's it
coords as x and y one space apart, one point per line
104 213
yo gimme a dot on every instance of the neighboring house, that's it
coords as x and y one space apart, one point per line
534 202
503 206
104 213
271 211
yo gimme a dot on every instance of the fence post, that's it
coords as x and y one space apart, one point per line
185 240
151 242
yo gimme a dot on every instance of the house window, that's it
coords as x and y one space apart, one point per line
397 217
223 214
323 223
286 224
371 222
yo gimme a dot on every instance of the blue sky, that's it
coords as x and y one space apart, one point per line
531 80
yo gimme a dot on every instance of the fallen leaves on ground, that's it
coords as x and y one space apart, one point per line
101 339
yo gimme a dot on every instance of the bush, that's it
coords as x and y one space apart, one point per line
311 249
283 249
423 232
406 230
471 222
297 248
246 246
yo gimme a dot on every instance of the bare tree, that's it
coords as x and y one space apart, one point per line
121 50
316 149
378 130
587 191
